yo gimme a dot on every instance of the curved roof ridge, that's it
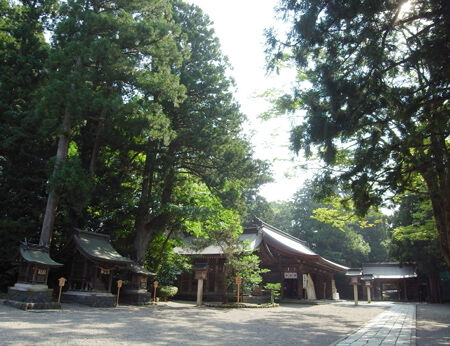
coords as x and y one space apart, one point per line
283 233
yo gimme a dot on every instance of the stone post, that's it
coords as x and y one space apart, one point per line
355 292
200 292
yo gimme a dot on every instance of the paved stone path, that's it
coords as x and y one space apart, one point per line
395 326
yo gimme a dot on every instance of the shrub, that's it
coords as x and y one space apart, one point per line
167 291
274 289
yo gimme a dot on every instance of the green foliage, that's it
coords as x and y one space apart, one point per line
377 96
165 263
167 291
413 229
414 237
274 289
155 144
350 240
23 153
197 181
246 265
419 225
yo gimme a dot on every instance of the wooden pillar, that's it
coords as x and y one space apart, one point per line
94 272
299 285
189 288
110 280
33 280
83 279
404 288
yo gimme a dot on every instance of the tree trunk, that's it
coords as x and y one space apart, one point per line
438 186
147 227
52 200
441 211
96 145
143 235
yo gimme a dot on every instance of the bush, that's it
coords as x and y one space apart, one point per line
167 291
274 289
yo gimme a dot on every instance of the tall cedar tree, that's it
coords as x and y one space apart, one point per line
207 143
377 101
110 64
23 150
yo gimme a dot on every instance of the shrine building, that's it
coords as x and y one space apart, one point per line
303 274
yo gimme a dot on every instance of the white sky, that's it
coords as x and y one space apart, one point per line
239 25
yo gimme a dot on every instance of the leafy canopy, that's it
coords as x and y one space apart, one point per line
376 97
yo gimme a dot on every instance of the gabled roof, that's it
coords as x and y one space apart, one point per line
97 247
290 244
38 254
260 232
252 240
389 270
284 240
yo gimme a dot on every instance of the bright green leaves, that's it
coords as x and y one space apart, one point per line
207 217
378 90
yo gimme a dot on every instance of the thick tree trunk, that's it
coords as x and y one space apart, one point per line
148 226
143 234
441 211
96 145
52 200
438 186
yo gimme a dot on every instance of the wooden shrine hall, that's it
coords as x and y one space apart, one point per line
90 262
302 273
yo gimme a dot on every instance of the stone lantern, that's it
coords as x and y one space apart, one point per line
201 271
368 279
355 274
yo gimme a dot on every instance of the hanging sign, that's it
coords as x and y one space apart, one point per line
305 280
289 275
105 271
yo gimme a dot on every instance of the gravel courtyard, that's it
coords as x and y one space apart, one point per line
181 323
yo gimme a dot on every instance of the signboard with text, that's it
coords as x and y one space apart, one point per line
289 275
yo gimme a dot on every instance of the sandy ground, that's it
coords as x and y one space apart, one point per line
433 324
181 323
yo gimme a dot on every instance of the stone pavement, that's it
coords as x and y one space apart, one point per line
395 326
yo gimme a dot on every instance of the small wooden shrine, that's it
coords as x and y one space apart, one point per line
303 274
90 262
135 290
31 290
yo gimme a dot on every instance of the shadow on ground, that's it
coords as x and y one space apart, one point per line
183 323
433 324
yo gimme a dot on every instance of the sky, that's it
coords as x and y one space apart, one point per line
239 25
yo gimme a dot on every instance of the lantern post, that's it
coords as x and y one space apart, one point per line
201 271
355 274
368 279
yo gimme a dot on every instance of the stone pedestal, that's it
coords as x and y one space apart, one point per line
135 297
94 299
29 296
